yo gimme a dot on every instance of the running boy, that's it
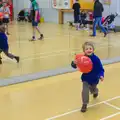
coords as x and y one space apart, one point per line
91 79
4 47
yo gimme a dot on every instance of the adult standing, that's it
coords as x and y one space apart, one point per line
97 14
76 7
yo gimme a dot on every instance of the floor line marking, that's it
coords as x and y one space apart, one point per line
76 110
110 116
113 106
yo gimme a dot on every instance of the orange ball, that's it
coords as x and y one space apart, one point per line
84 63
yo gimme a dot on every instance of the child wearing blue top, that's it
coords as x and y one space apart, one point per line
4 47
90 80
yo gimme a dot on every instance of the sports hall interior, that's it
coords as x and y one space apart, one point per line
44 86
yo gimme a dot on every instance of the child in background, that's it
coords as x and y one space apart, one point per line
35 14
6 13
1 4
76 7
10 5
4 47
1 17
90 80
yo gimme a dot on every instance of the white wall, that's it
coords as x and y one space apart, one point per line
51 15
112 9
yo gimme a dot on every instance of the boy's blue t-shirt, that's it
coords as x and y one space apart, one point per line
3 41
97 71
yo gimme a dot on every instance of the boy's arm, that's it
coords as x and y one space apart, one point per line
36 11
79 6
102 8
101 70
73 6
73 65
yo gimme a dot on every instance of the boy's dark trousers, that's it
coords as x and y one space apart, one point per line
85 92
7 54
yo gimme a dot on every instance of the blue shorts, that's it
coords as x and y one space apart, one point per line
34 23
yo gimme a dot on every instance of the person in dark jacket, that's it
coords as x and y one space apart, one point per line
97 14
90 80
76 7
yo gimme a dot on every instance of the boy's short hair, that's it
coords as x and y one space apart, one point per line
88 43
2 28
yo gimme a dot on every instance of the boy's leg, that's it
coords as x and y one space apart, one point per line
38 29
34 37
94 26
7 29
94 90
0 57
33 27
76 20
101 26
85 96
0 54
11 56
6 21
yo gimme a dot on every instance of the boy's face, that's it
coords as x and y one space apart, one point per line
88 50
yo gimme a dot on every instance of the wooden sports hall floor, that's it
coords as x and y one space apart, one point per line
59 98
60 41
